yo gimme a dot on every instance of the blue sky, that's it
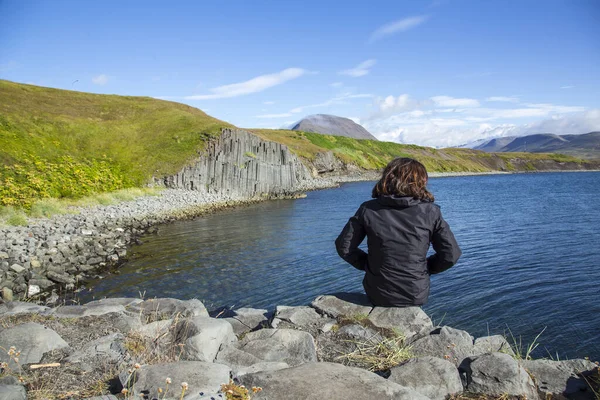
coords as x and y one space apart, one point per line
437 73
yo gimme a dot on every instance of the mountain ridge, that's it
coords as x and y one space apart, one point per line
332 125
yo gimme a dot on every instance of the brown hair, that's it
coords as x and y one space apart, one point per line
403 177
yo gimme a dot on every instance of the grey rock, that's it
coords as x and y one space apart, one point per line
60 277
498 374
12 392
360 333
317 381
3 255
32 340
168 308
302 316
408 321
259 367
200 377
110 348
32 290
20 307
561 378
203 337
448 343
430 376
87 310
343 304
247 319
236 358
42 283
114 301
290 346
327 326
17 268
156 330
492 344
7 293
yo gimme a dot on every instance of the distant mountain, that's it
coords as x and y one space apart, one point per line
495 144
332 125
586 145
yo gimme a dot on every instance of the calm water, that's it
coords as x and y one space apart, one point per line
531 257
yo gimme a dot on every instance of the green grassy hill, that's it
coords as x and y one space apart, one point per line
59 143
371 154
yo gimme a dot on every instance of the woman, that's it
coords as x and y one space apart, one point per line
400 223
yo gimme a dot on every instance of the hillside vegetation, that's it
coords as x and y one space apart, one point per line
59 143
371 154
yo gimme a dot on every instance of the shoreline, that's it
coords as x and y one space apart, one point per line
64 251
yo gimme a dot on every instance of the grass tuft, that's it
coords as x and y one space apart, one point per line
379 355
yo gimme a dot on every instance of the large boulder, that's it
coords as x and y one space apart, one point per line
283 345
448 343
301 316
110 348
561 378
20 307
430 376
200 377
244 320
343 304
12 392
165 308
93 309
32 340
492 344
498 374
317 381
203 337
407 321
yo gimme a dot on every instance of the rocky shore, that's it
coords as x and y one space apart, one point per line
64 251
339 347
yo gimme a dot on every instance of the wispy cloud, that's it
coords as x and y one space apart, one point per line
447 101
253 85
101 79
400 25
336 84
567 87
273 116
268 103
336 100
503 99
361 69
341 99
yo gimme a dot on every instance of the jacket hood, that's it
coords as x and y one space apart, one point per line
399 202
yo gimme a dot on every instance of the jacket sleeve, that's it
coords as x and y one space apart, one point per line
347 242
446 249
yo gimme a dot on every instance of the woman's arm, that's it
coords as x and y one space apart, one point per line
347 242
446 249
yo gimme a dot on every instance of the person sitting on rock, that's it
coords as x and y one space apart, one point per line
399 222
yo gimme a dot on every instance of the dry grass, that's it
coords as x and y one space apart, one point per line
378 355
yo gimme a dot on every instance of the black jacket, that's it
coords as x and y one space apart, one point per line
399 231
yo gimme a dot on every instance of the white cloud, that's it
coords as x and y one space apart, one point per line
361 69
101 79
400 25
253 85
503 99
341 99
273 116
447 101
268 103
567 87
462 120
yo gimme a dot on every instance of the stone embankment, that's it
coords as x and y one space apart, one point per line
339 347
237 168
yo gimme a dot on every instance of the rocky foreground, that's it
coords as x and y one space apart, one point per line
339 347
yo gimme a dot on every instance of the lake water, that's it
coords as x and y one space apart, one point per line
531 257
